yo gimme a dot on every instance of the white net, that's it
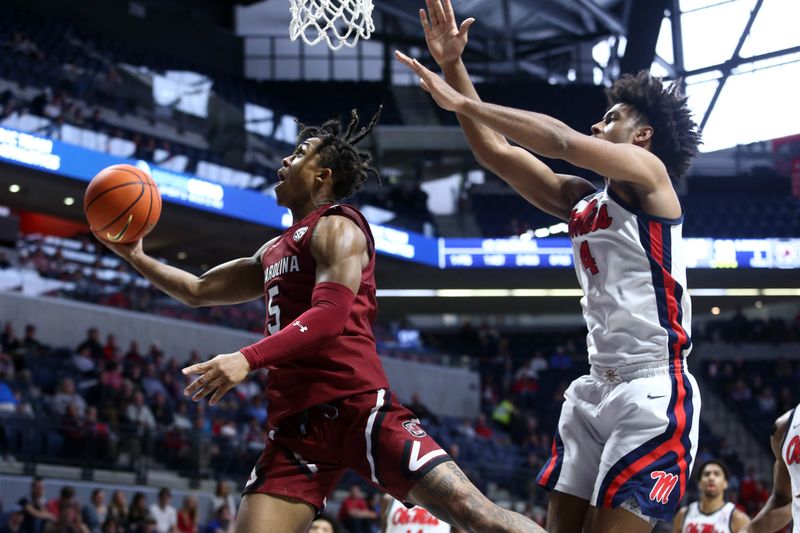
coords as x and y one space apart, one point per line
337 22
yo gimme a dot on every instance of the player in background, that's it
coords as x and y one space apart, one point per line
397 518
783 504
712 514
329 404
627 434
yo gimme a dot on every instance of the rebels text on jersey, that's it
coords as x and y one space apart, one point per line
345 365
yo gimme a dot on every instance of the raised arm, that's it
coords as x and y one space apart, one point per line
536 182
777 512
549 137
341 251
237 281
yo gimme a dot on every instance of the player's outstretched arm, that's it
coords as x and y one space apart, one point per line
237 281
553 193
777 512
536 182
549 137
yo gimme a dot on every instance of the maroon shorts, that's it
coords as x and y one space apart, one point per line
306 456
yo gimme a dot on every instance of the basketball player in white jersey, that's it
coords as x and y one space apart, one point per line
783 505
397 518
712 514
627 435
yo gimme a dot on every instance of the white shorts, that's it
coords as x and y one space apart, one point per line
627 435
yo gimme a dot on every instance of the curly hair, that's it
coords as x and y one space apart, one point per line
675 134
337 150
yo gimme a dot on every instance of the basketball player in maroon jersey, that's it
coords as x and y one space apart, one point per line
329 404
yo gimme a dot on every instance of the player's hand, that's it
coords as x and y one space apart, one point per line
219 375
446 41
125 251
444 95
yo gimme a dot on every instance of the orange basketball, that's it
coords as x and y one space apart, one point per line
122 203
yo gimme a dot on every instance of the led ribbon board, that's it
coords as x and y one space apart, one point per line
78 163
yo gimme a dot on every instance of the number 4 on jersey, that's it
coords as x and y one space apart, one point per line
587 260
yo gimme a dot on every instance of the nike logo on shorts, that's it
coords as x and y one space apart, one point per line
655 397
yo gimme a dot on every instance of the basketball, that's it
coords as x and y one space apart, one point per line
122 204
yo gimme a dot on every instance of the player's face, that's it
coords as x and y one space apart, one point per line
297 174
619 125
712 481
320 526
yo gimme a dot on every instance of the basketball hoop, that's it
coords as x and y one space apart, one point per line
338 22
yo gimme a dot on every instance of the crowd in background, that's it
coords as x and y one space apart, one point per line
116 513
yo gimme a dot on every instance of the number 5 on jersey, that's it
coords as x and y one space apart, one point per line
274 311
587 260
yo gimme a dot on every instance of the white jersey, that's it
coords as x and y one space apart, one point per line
632 271
414 520
696 521
790 451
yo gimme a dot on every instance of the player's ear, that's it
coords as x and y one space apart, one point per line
644 134
324 174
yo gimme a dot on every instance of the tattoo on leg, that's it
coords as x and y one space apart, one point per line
450 496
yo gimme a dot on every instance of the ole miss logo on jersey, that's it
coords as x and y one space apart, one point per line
701 528
413 517
665 482
793 451
589 220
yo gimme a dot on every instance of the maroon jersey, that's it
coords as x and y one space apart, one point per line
345 365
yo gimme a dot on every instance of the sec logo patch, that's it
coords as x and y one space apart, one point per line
299 233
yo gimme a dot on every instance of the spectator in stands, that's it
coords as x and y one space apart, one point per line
466 430
4 262
187 516
325 524
111 350
34 507
66 497
164 513
8 339
30 342
482 428
222 521
139 514
140 414
161 409
560 359
222 496
96 511
65 396
421 410
13 522
8 400
118 510
151 381
111 525
503 412
355 514
69 519
82 361
92 341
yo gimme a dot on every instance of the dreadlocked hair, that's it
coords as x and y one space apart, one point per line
675 135
337 150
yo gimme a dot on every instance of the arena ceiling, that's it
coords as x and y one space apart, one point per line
540 37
